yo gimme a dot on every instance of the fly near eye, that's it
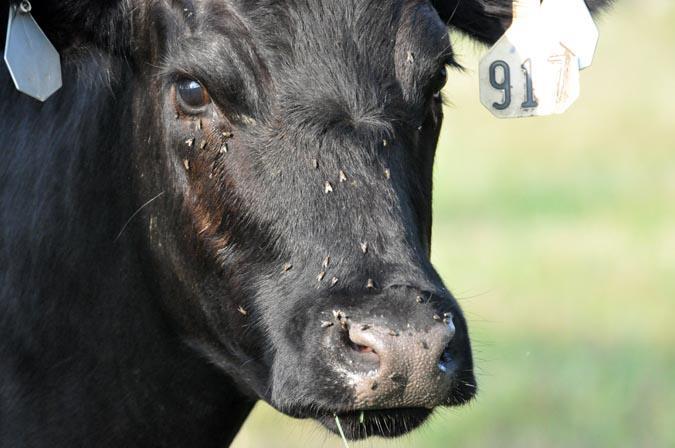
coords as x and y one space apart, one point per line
191 95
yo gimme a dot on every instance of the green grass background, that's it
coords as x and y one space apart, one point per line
558 236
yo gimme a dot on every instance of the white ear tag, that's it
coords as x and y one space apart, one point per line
572 22
529 72
31 58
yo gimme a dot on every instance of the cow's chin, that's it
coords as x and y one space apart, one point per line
380 423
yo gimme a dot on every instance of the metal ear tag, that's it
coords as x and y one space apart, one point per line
32 60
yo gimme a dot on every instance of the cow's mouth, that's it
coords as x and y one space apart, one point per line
358 425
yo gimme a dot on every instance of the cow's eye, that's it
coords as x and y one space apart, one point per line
191 95
439 82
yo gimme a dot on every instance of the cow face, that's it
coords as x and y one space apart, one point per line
293 144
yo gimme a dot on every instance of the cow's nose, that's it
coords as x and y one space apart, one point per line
401 368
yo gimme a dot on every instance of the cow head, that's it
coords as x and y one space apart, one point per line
295 145
289 146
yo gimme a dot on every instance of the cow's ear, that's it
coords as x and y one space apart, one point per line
68 22
486 20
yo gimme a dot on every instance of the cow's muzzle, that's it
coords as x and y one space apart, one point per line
401 355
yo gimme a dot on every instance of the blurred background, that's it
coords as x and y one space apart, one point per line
558 237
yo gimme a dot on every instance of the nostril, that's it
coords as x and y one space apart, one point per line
359 353
446 361
361 348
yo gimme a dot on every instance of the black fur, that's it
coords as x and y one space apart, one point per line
146 304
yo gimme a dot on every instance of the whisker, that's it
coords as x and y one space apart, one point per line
124 227
454 11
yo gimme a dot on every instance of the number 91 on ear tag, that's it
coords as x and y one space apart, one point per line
529 71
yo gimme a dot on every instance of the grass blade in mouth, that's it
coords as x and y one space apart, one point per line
342 434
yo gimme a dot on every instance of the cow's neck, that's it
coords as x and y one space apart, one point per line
89 359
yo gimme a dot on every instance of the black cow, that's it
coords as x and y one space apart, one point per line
227 201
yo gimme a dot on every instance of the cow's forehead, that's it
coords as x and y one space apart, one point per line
365 26
305 30
346 59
